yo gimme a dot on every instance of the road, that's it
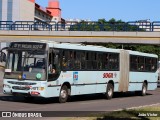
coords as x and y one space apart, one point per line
79 103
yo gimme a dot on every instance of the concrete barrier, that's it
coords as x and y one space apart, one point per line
82 36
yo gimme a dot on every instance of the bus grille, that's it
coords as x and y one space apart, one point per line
21 83
20 88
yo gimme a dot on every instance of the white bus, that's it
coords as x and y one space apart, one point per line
158 74
49 69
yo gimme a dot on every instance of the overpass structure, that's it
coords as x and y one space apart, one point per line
79 32
82 36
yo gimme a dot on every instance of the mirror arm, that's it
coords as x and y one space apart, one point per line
4 49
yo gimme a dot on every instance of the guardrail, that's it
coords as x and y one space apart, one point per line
80 26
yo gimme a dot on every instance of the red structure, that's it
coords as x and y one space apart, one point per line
53 7
51 13
32 1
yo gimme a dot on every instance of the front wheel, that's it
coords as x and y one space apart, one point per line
109 91
63 96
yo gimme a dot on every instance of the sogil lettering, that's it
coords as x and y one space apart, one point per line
108 75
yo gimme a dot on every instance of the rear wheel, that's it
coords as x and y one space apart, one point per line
63 96
143 91
109 91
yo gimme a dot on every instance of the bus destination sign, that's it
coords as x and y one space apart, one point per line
29 46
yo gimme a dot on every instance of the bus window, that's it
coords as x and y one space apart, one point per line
28 63
83 59
154 64
148 63
77 60
133 63
53 65
40 63
70 61
99 59
113 62
15 61
94 60
89 61
141 66
105 59
65 60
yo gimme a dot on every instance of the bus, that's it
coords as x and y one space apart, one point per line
51 69
158 74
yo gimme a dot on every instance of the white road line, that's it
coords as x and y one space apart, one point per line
83 103
35 109
138 107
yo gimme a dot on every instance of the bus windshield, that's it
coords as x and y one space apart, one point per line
26 65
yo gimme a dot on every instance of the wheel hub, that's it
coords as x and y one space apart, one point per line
63 94
110 92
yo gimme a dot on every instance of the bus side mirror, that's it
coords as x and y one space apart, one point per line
2 57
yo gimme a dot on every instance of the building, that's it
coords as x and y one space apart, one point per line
30 13
28 10
148 25
144 24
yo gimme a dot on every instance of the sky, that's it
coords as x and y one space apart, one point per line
126 10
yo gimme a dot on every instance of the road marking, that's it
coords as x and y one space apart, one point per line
83 103
144 106
34 108
138 107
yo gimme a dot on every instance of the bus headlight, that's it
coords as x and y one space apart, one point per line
38 88
41 88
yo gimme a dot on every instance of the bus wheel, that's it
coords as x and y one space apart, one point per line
109 91
144 89
63 96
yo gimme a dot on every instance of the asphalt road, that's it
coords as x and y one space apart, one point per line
92 103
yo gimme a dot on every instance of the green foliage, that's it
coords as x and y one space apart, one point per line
115 25
154 49
103 25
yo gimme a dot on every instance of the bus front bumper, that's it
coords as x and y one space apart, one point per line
25 90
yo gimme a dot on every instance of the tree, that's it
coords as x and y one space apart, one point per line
103 25
116 25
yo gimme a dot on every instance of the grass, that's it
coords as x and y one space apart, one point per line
132 114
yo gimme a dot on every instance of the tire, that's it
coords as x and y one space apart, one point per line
144 89
63 95
109 91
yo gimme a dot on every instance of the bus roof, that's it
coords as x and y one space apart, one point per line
96 48
53 44
142 54
83 47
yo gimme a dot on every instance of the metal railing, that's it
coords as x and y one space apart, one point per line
80 26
